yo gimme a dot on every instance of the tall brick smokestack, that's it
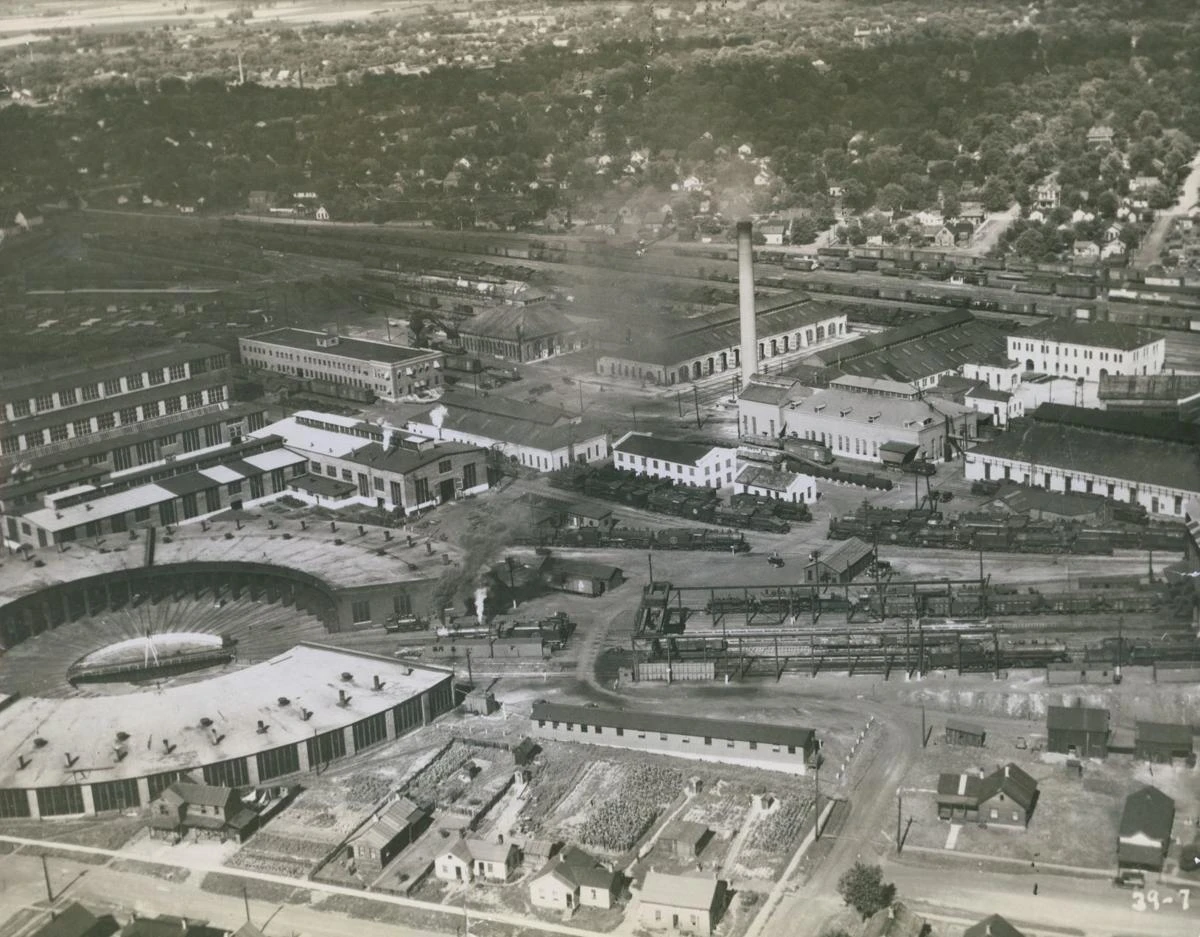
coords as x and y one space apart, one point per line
749 328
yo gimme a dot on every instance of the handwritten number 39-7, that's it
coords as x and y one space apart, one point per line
1150 899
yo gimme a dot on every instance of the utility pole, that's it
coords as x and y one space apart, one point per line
246 900
46 876
581 398
470 675
650 563
679 403
924 733
696 398
899 807
817 801
635 419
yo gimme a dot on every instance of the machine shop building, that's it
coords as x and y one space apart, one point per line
389 371
1123 456
917 353
529 434
787 326
783 748
1168 396
189 489
859 426
520 333
1088 350
685 463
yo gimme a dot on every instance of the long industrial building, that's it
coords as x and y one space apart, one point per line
861 426
389 371
189 488
84 423
528 434
782 748
709 344
1125 456
295 713
353 462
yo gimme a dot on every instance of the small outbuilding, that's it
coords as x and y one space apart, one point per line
386 835
686 839
1077 730
1163 741
841 563
959 732
581 577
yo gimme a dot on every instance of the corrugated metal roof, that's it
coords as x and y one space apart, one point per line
1177 736
518 323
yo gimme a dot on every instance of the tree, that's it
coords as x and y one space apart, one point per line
1030 243
892 197
863 888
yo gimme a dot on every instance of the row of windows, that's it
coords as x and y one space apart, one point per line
126 416
1159 502
112 387
1088 354
584 728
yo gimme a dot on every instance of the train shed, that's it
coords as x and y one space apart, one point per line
842 563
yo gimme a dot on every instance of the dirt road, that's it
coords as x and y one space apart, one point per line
1149 251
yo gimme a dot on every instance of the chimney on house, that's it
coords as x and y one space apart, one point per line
378 684
343 699
748 324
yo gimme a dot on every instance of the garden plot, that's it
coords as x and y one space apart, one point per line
614 805
774 838
329 809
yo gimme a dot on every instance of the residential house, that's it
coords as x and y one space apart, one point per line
322 213
1162 741
840 563
573 879
896 921
1139 183
1113 249
959 732
493 862
386 834
1085 250
992 926
972 212
774 232
1077 730
1100 134
681 904
1144 835
208 810
1006 797
1048 194
964 233
1112 233
455 864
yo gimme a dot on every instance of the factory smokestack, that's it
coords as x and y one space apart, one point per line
749 328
